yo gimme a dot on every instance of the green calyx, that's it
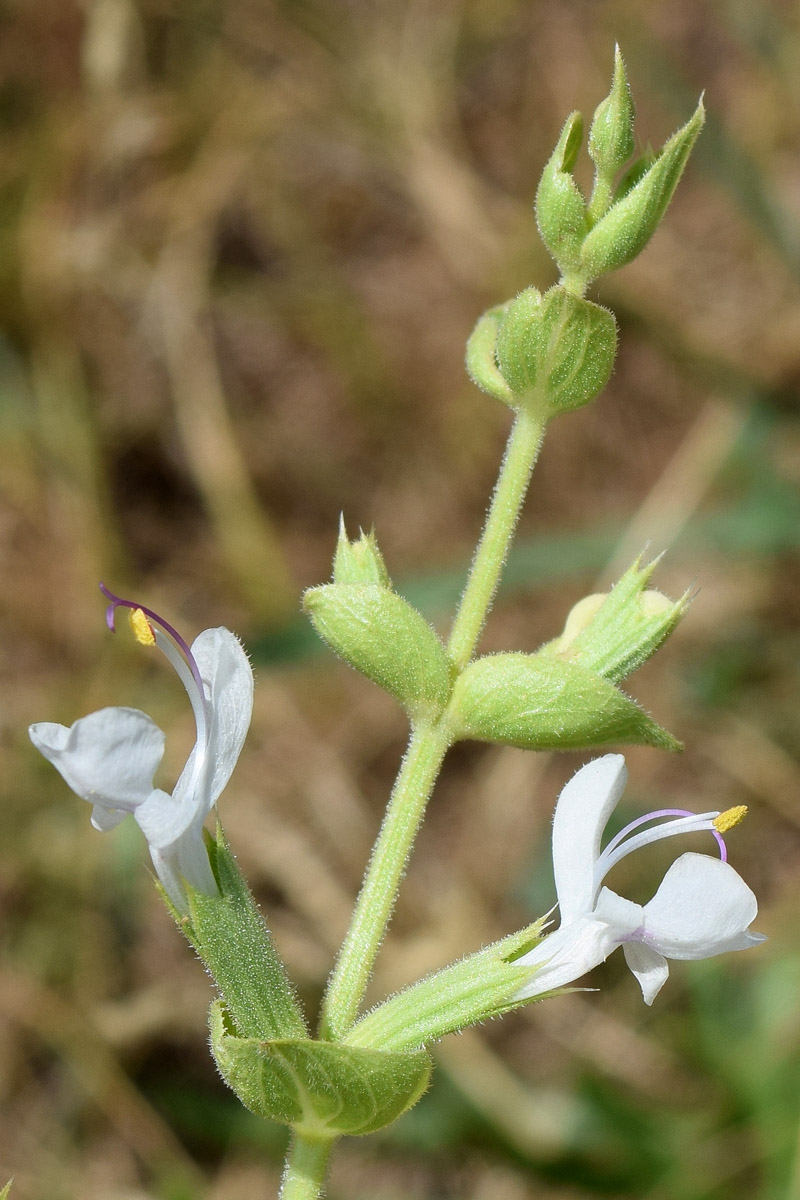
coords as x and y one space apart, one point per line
614 633
365 621
538 702
359 561
230 936
477 987
385 638
560 208
611 138
323 1090
623 232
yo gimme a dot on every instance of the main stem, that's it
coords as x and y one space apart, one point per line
414 784
428 745
304 1175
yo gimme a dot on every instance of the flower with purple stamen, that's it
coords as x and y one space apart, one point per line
110 757
701 908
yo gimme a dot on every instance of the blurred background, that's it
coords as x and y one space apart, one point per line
242 245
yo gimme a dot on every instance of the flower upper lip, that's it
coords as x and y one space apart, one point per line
701 908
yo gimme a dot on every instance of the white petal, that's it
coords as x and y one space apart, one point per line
167 872
163 819
582 811
566 955
187 861
623 916
193 863
701 908
107 818
108 758
649 967
228 679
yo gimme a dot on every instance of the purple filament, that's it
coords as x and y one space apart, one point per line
664 812
116 602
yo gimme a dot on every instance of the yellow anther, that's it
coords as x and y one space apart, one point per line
142 629
732 816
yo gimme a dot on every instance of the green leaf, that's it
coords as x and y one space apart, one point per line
556 351
629 224
481 361
611 141
229 934
6 1192
542 703
381 635
560 206
322 1089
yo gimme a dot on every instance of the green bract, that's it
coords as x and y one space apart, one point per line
383 636
323 1090
556 351
614 633
481 361
629 224
542 703
560 206
229 934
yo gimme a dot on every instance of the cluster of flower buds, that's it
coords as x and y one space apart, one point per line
548 354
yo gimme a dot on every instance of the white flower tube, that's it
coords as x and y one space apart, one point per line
110 757
701 908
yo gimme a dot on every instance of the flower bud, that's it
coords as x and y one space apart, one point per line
555 351
629 224
611 141
560 206
360 561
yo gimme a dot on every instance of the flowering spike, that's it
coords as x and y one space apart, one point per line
730 818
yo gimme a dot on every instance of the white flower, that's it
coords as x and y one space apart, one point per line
702 907
110 757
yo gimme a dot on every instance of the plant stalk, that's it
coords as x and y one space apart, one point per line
306 1167
406 808
520 457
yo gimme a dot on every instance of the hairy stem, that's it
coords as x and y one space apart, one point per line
373 909
306 1167
512 484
